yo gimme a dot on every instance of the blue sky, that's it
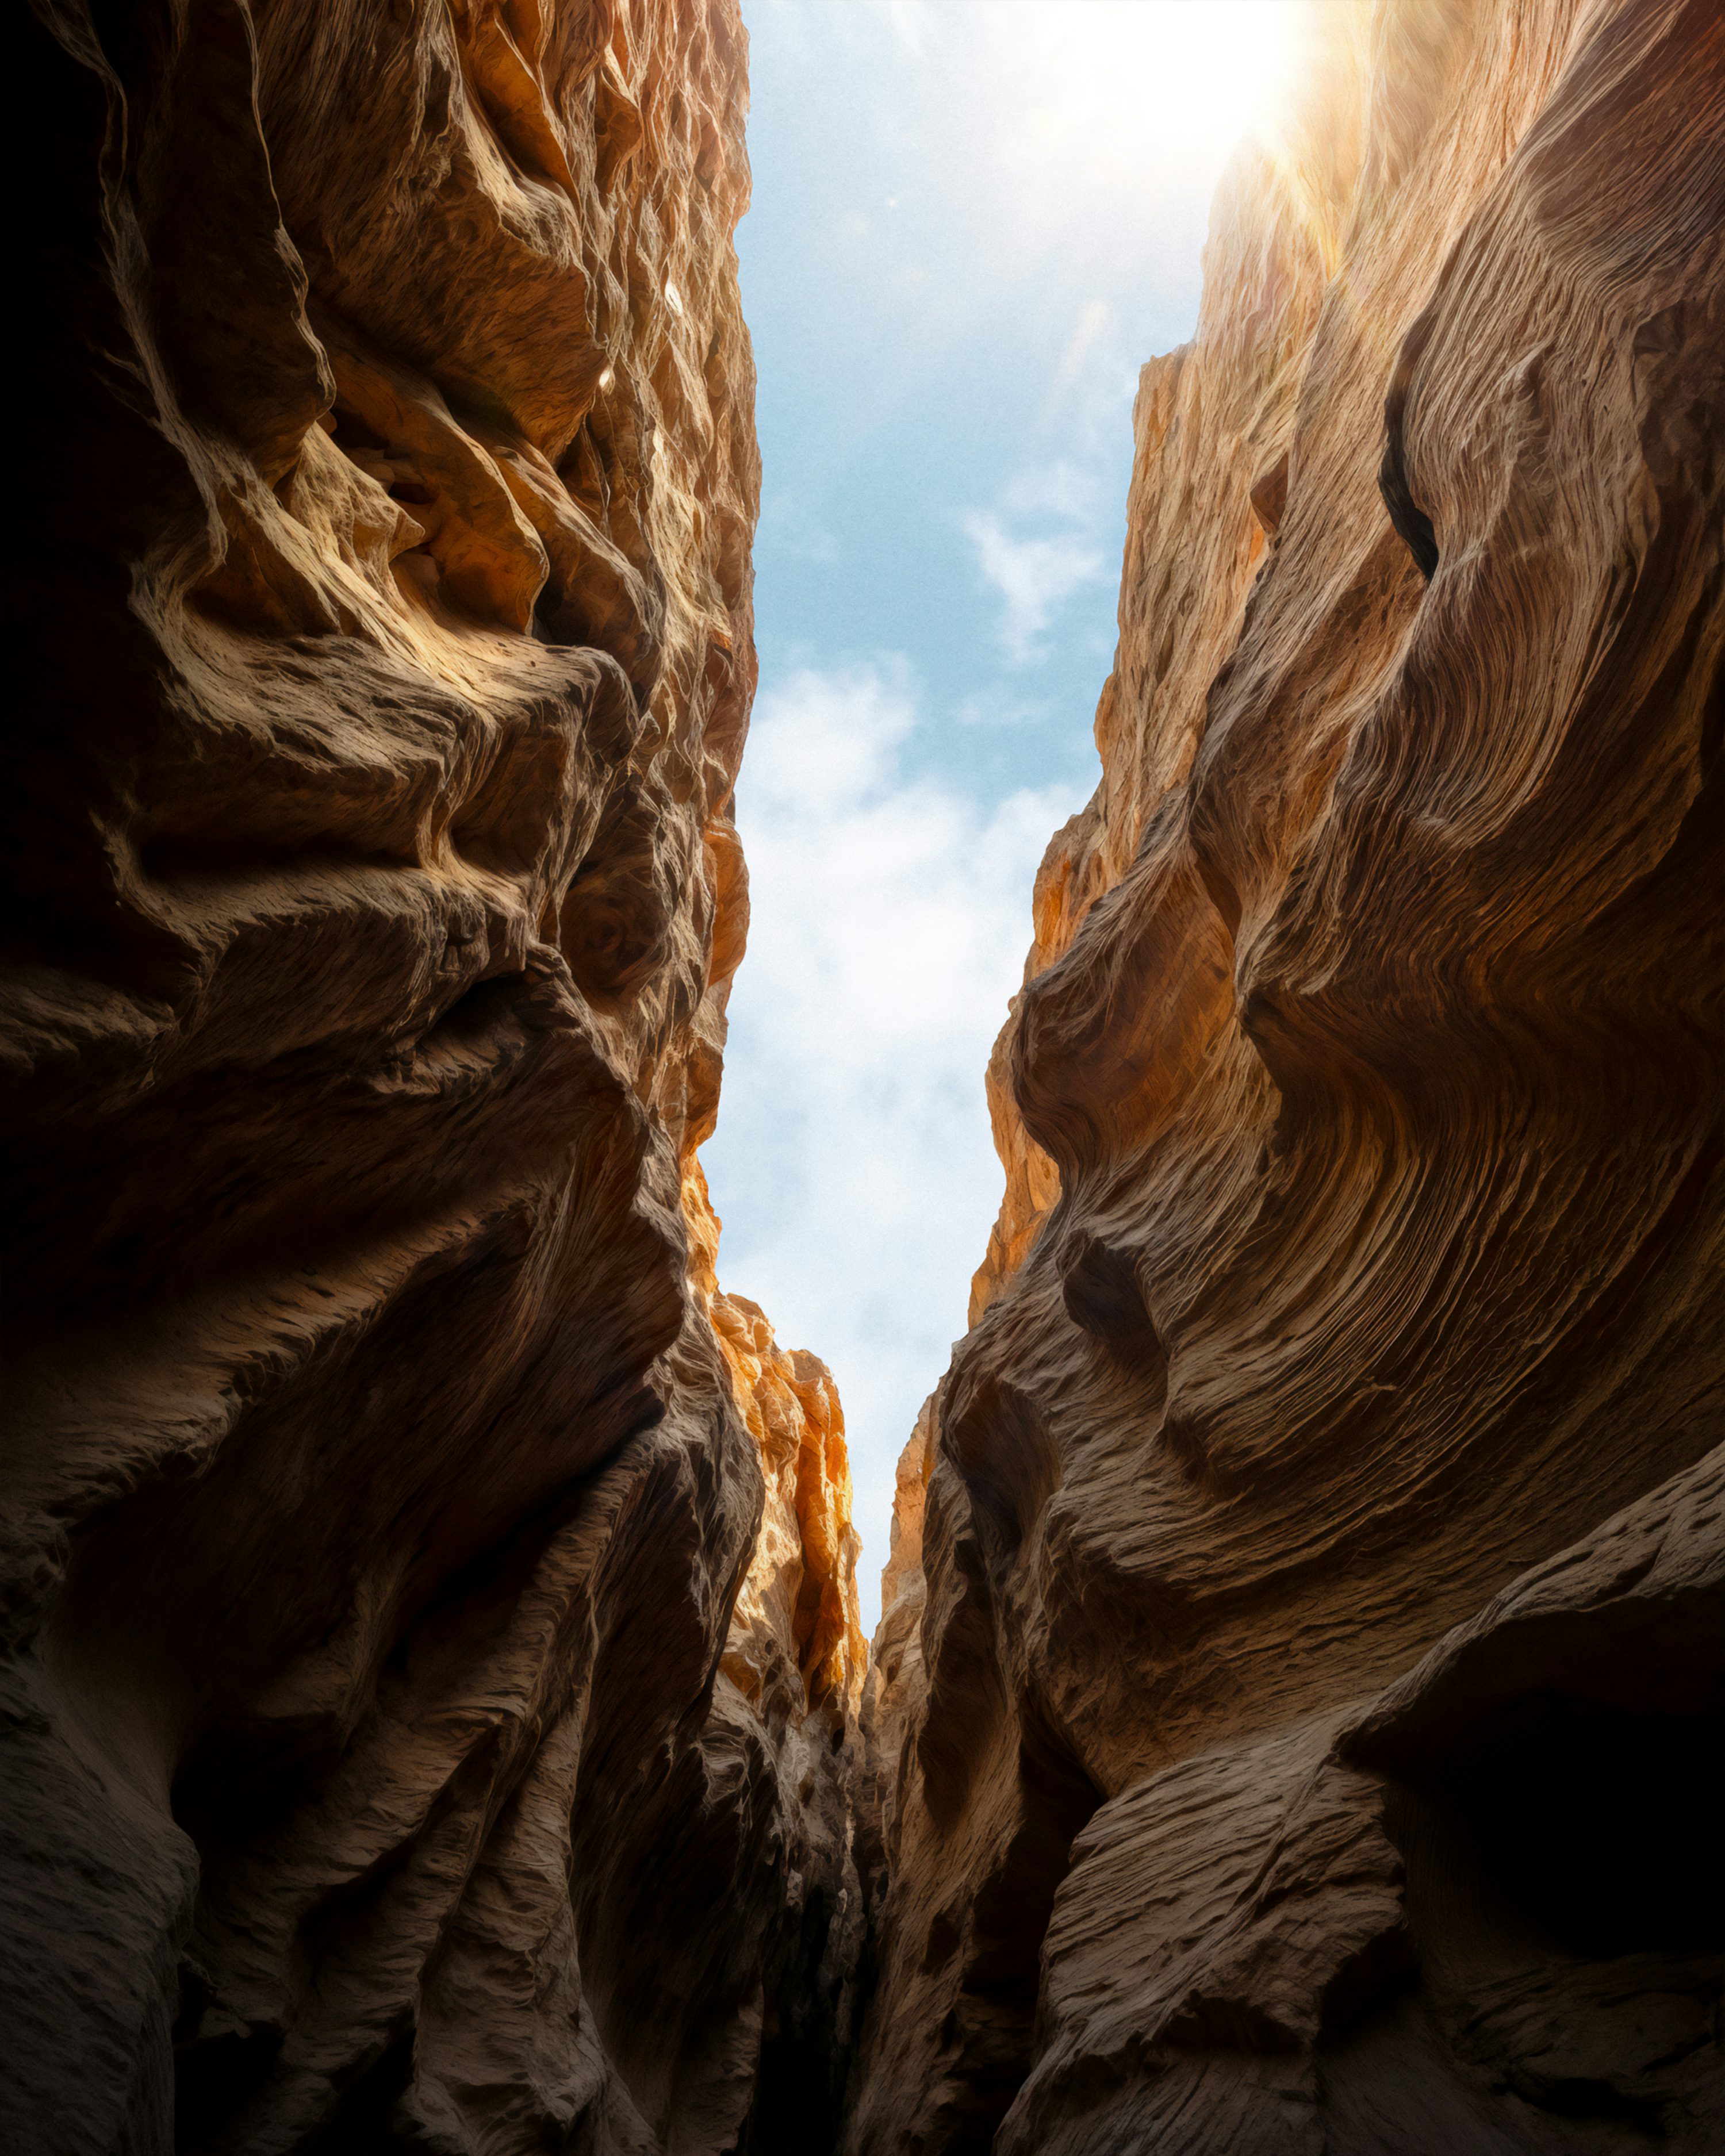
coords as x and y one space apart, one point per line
972 221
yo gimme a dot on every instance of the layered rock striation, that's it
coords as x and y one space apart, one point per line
431 1640
1298 1703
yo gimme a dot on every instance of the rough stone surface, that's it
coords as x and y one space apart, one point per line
1303 1723
432 1648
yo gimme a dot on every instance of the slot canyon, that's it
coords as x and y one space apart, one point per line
437 1714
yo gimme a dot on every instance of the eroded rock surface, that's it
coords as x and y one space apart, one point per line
414 1736
1305 1715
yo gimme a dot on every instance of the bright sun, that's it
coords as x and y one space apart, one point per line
1185 72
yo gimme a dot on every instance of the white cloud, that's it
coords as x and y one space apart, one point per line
911 22
1095 320
853 1163
1035 572
1061 489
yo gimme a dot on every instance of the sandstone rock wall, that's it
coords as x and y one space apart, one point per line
431 1660
390 1754
1303 1732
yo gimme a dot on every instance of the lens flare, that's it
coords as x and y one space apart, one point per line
1133 77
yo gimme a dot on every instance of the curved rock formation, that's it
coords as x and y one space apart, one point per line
1306 1717
390 1754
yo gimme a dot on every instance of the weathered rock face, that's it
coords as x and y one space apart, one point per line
1303 1728
388 1742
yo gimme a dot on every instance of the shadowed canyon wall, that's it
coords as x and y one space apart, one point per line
434 1714
1296 1707
431 1638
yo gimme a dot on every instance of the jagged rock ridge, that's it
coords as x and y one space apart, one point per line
432 1649
1297 1707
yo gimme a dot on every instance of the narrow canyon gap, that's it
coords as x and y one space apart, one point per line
435 1713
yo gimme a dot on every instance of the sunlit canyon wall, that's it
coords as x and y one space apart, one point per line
1298 1703
434 1716
431 1639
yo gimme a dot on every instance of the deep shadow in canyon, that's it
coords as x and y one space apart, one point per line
436 1715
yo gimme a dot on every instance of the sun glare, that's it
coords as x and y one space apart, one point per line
1137 77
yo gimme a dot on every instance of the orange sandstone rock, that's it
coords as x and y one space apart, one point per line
798 1626
380 1479
1312 1736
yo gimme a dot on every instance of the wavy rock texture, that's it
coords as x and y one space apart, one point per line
391 1753
1303 1730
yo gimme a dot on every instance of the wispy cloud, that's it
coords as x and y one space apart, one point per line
852 1165
1035 549
1094 321
911 22
791 525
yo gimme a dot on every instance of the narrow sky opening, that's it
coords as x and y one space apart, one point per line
973 221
